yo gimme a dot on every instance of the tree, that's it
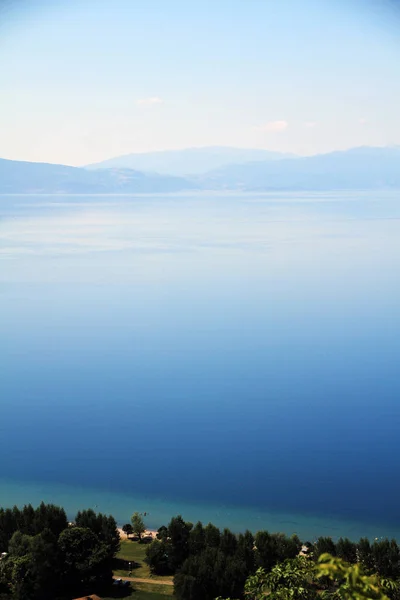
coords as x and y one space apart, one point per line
162 533
49 516
386 558
197 539
324 545
127 529
33 566
228 542
20 544
351 581
272 548
290 580
105 527
346 550
138 526
212 536
84 557
158 557
245 550
209 574
364 554
178 537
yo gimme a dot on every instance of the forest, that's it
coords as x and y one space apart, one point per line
43 557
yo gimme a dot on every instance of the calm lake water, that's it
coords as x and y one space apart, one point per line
230 357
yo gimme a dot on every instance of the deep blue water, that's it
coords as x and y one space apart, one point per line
213 351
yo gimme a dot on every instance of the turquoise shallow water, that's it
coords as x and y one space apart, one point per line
160 510
233 358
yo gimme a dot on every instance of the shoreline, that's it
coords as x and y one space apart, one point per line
149 533
160 511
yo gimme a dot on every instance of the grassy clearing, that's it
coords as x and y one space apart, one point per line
142 591
135 553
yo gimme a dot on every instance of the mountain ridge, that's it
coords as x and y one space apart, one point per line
187 161
357 168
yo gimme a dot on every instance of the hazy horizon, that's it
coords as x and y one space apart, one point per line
215 147
86 81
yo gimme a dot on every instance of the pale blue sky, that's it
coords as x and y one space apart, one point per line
81 81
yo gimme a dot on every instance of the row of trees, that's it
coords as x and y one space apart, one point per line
331 578
47 558
207 563
381 556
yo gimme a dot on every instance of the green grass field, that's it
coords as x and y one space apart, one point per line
135 553
155 589
144 592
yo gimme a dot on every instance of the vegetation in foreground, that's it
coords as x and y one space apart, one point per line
47 558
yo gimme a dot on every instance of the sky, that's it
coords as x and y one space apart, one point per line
86 80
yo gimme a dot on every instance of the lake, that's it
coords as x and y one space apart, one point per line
231 357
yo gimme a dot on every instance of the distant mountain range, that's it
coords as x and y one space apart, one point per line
24 177
358 168
191 161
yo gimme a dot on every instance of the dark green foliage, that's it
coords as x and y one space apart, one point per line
324 545
364 554
105 527
245 550
209 574
228 543
386 558
33 566
128 529
20 544
272 548
346 550
46 557
30 521
292 579
197 539
84 557
178 538
162 533
157 557
212 535
48 516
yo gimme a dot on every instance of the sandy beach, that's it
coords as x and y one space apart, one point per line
147 534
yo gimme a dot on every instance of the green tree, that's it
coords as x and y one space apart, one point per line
178 538
20 544
158 557
127 529
212 536
386 558
364 554
197 539
84 557
323 545
245 550
209 574
138 525
346 550
228 542
162 533
272 548
292 579
351 581
104 526
33 566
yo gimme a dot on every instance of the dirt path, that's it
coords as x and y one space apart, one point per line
142 580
